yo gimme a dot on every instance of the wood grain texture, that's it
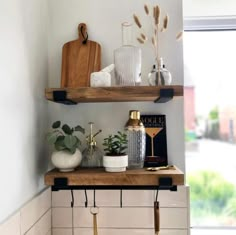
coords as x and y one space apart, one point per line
114 94
131 177
79 60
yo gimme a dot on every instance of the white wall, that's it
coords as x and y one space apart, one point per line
209 7
103 18
23 119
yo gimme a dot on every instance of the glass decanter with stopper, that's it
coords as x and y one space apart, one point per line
136 140
127 60
159 75
92 155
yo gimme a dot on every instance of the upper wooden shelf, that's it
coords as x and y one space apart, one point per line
113 94
136 178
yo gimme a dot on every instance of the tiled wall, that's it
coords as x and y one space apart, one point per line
136 216
43 214
32 219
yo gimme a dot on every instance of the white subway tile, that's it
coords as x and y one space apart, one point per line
11 226
62 231
103 198
177 198
131 217
130 198
117 231
33 210
42 226
138 198
63 198
61 217
49 232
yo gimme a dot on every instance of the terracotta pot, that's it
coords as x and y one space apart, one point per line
65 161
115 163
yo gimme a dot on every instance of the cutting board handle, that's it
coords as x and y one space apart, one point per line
83 35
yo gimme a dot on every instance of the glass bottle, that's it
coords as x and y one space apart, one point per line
162 72
136 140
92 155
127 60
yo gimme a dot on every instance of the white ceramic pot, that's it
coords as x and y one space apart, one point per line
65 161
115 163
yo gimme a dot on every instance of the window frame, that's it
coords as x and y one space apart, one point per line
210 23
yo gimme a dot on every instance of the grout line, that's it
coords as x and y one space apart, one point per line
20 223
128 207
37 221
51 210
49 231
120 228
23 205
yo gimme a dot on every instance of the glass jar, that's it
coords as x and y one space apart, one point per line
159 76
127 60
136 140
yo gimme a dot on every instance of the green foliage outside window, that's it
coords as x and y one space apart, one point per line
211 195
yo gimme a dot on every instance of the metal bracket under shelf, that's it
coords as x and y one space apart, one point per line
166 94
61 97
164 183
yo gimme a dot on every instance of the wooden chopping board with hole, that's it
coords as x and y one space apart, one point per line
80 58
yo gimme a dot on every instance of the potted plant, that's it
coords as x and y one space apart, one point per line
116 159
66 155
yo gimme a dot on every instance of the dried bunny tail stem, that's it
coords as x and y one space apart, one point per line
179 35
146 9
140 40
136 20
154 12
143 36
157 14
155 31
165 22
154 41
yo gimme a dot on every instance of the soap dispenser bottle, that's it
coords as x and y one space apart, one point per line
92 155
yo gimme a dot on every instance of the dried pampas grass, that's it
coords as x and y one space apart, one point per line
165 22
140 40
159 25
179 35
146 9
143 36
157 14
137 21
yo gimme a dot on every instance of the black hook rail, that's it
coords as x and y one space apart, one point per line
164 183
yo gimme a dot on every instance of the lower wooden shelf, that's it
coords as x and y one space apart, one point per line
97 178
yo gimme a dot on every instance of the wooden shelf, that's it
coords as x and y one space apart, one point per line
114 94
98 177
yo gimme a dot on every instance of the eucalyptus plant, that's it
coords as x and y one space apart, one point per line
115 145
63 137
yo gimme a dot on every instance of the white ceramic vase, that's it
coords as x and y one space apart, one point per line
115 163
65 161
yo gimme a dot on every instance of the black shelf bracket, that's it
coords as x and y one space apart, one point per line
164 183
166 94
60 96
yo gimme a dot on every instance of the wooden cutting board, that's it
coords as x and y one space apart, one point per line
80 58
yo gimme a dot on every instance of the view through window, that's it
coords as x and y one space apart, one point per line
210 126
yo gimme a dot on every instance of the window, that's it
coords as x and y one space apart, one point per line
210 121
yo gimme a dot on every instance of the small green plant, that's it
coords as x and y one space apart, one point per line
115 145
63 138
